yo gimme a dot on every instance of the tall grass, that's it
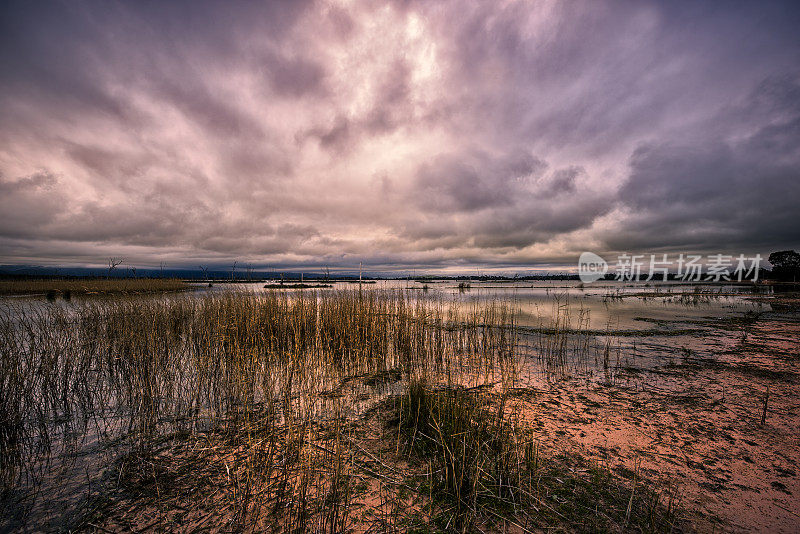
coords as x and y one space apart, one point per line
474 449
244 411
253 367
487 467
566 347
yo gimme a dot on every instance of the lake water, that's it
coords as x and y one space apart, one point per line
600 306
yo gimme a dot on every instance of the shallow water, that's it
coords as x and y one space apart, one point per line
600 306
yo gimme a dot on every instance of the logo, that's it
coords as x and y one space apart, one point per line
685 267
591 267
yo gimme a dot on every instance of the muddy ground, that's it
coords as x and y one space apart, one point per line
696 422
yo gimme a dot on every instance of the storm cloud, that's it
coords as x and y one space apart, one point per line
451 135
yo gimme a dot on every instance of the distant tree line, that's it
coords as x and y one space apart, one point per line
785 265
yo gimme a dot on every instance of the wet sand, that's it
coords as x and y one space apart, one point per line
695 423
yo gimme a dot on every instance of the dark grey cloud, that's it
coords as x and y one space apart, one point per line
507 201
741 193
28 203
595 76
475 181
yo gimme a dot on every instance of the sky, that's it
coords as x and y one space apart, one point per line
442 136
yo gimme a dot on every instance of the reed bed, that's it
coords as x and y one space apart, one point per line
130 371
253 411
111 286
486 465
565 347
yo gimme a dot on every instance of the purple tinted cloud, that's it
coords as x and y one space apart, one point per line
410 133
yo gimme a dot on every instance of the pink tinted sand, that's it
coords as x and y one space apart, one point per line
697 425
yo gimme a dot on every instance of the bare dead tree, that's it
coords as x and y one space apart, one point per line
132 269
113 263
161 266
204 270
233 271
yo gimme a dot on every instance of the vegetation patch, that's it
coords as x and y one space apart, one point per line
105 286
486 468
